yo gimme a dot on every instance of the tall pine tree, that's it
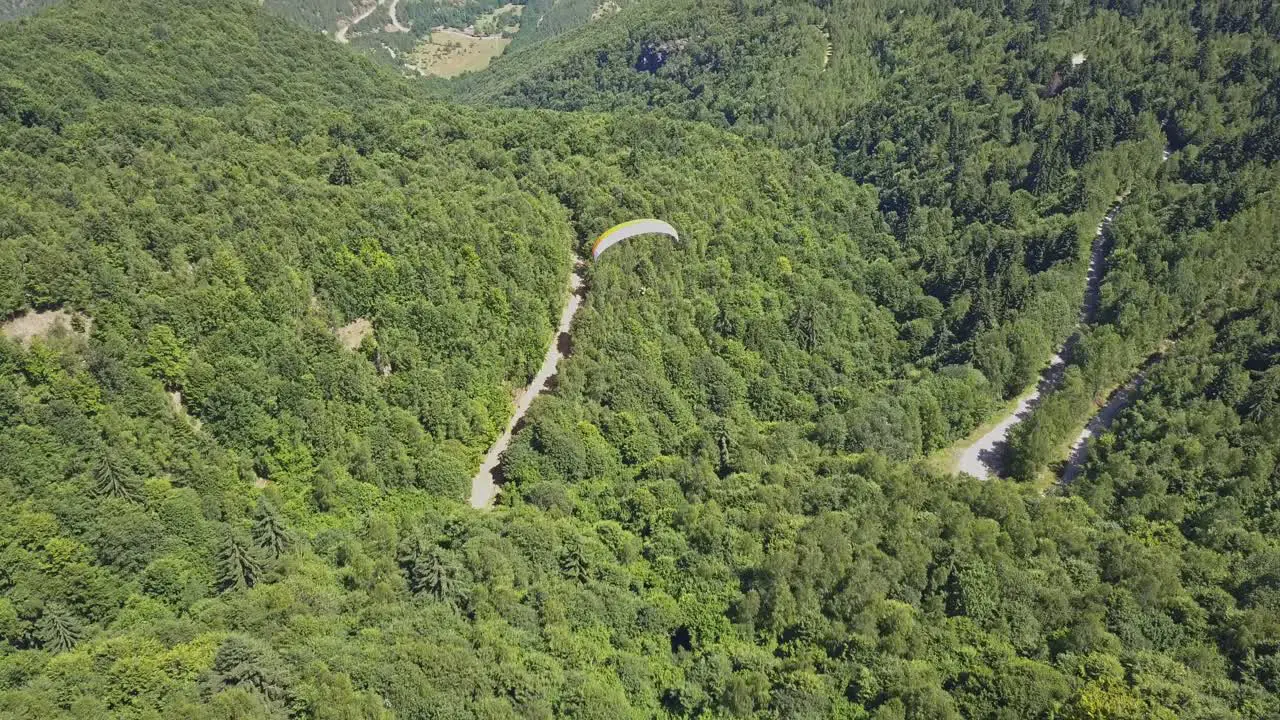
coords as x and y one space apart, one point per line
269 532
57 630
111 477
237 568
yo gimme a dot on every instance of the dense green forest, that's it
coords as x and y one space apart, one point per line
212 508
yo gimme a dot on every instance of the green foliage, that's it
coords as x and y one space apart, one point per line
546 19
237 567
313 14
716 513
1191 469
269 532
435 573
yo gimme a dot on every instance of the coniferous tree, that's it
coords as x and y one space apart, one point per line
245 662
431 573
805 327
269 532
1265 400
723 447
409 550
237 568
111 477
341 173
57 630
1050 165
573 561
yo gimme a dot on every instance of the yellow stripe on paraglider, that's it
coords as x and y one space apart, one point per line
613 230
622 231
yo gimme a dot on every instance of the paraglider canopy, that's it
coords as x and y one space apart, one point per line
618 233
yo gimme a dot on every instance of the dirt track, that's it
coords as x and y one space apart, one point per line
395 21
1098 424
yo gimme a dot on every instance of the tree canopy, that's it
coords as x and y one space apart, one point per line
300 291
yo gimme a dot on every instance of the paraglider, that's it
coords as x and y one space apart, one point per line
618 233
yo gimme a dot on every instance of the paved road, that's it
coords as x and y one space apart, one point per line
341 35
986 455
484 486
1117 401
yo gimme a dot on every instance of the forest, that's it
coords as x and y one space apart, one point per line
300 291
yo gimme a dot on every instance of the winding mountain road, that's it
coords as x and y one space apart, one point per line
341 35
395 22
484 485
1117 401
985 456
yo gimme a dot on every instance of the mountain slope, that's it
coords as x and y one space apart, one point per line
994 153
188 179
704 519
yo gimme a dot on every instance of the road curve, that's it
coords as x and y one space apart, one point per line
341 35
395 22
484 485
985 456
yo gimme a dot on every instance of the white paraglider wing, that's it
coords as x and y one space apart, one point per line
618 233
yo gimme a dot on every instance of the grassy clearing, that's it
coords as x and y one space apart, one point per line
352 335
450 53
47 323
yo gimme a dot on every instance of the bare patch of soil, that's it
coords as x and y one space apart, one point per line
31 324
608 8
353 333
179 409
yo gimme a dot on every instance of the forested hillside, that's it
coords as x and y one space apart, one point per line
299 292
314 14
1193 244
545 19
993 156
